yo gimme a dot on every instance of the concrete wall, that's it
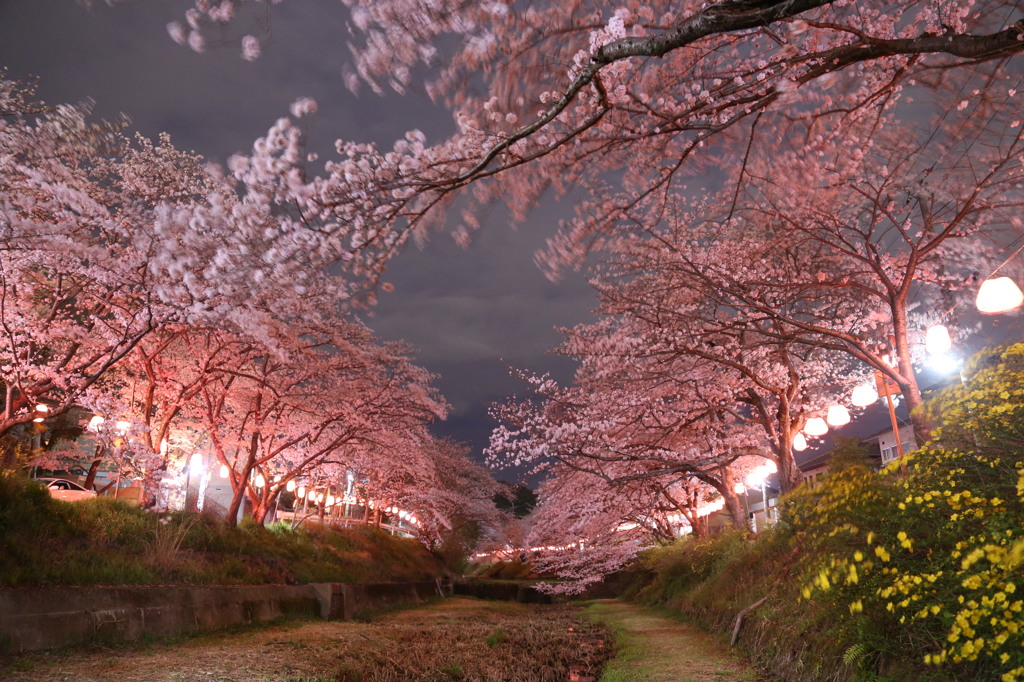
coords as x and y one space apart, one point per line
502 590
62 616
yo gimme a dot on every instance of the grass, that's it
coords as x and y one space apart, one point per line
45 542
651 646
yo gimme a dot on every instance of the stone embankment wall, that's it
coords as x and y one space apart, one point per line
46 618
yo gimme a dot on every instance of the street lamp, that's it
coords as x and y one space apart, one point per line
759 477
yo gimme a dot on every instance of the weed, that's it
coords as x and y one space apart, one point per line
495 638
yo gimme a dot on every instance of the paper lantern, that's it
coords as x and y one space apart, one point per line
864 395
936 340
837 415
998 295
816 426
799 442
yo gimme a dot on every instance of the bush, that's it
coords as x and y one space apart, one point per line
932 560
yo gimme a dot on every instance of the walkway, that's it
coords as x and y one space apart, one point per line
656 648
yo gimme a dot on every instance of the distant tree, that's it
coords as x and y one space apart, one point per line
516 499
274 416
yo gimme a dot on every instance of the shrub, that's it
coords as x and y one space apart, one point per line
933 559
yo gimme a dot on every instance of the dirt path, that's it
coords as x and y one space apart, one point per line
654 648
454 639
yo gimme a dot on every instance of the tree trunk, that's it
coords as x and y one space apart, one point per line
699 531
732 500
90 479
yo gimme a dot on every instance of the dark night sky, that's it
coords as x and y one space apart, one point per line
470 313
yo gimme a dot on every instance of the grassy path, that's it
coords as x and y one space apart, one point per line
651 647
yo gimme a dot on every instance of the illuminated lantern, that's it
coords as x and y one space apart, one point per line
837 416
260 481
770 466
816 426
290 485
301 492
936 340
998 295
864 395
223 470
739 489
196 463
799 442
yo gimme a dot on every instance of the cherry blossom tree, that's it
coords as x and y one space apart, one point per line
630 435
106 240
852 256
669 323
583 530
273 416
454 504
576 94
76 278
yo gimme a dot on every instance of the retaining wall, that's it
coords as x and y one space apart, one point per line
62 616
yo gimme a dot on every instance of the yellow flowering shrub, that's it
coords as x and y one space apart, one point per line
934 559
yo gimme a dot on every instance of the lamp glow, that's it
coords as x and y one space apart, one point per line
837 415
771 467
816 426
998 295
864 395
42 408
290 485
936 340
739 489
196 463
223 470
260 481
301 492
756 477
799 442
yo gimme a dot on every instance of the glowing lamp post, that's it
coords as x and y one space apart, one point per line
759 477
